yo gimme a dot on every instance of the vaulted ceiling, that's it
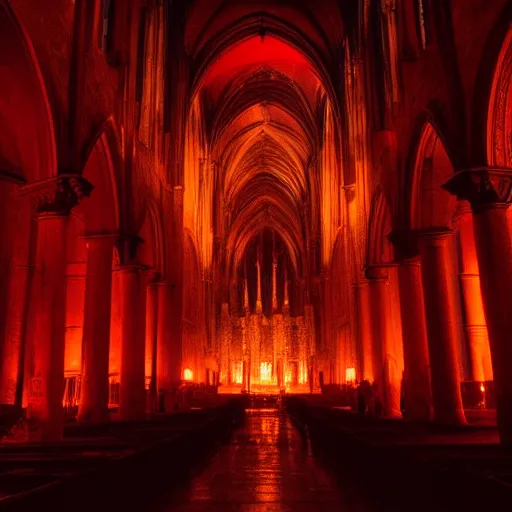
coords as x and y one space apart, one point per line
262 80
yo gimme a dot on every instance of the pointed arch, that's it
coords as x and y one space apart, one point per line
27 146
102 211
193 326
499 109
491 96
429 205
250 26
152 251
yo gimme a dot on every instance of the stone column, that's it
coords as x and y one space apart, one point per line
489 191
385 367
55 199
475 326
363 319
165 375
132 395
13 283
439 290
12 350
151 340
417 395
96 333
171 309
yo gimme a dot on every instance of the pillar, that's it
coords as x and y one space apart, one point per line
12 350
475 326
96 332
165 372
384 363
489 192
417 395
13 283
55 199
132 395
151 341
170 310
439 290
363 320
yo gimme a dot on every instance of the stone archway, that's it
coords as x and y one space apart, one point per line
27 155
431 214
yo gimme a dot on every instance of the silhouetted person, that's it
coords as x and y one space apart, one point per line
364 398
361 402
161 401
378 408
402 395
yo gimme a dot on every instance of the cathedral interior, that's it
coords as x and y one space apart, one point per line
256 255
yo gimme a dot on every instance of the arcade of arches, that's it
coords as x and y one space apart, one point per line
259 196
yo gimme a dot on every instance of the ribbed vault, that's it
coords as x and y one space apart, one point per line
261 85
261 99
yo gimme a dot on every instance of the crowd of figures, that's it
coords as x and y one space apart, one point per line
369 403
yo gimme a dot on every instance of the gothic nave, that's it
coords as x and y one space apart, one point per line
235 232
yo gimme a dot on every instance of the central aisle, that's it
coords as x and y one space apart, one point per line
267 467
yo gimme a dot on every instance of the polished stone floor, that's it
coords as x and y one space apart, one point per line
267 467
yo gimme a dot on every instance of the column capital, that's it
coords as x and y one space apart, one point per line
409 262
378 272
164 283
58 195
434 235
485 188
133 268
90 237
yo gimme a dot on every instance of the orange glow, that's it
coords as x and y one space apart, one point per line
266 372
303 374
350 375
237 373
188 374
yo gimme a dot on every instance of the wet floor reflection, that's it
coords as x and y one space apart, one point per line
267 467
